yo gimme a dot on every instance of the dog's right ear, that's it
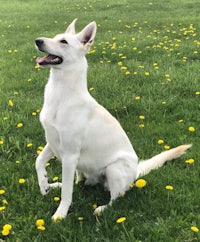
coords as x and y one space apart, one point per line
87 35
71 28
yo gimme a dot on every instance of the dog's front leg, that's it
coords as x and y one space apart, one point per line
68 171
41 161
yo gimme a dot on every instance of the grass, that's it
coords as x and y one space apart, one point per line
144 62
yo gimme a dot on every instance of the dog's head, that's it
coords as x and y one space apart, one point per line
67 48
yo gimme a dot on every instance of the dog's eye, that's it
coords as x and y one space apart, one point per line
63 41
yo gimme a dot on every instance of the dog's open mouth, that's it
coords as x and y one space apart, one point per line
49 60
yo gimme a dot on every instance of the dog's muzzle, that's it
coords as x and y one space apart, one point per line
47 60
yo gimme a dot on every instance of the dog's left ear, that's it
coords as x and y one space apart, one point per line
87 35
71 28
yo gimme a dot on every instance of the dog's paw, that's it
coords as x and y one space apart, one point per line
59 215
99 210
44 187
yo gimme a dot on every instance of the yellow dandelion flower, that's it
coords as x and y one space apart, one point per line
137 98
1 142
5 232
91 89
55 178
56 199
195 229
39 222
140 183
7 227
123 68
94 206
19 125
58 218
147 73
166 147
189 161
131 185
142 117
160 141
29 145
10 103
34 113
121 220
180 121
80 218
2 208
191 129
169 187
22 180
141 125
2 191
4 201
127 73
41 227
197 93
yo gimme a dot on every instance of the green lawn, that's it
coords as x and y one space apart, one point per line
144 62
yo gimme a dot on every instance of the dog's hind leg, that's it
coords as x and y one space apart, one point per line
119 176
40 165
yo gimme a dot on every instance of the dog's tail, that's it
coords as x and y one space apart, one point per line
144 167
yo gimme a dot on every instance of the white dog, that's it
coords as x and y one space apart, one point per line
82 134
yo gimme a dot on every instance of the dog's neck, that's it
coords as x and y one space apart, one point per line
72 79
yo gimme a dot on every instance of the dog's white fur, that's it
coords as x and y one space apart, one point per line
82 134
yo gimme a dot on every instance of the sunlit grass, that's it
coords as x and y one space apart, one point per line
144 68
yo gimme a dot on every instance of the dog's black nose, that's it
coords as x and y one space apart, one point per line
39 42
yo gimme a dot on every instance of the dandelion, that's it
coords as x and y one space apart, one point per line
2 208
180 121
189 161
29 145
58 218
197 93
121 220
55 178
141 125
41 227
22 181
140 183
131 185
56 199
195 229
147 73
191 129
10 103
169 187
137 98
142 117
39 222
1 142
6 229
80 218
166 147
94 206
2 191
91 89
4 201
19 125
34 113
160 141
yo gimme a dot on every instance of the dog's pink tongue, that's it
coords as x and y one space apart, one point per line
40 60
43 60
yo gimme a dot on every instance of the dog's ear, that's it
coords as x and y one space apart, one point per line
71 28
87 35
